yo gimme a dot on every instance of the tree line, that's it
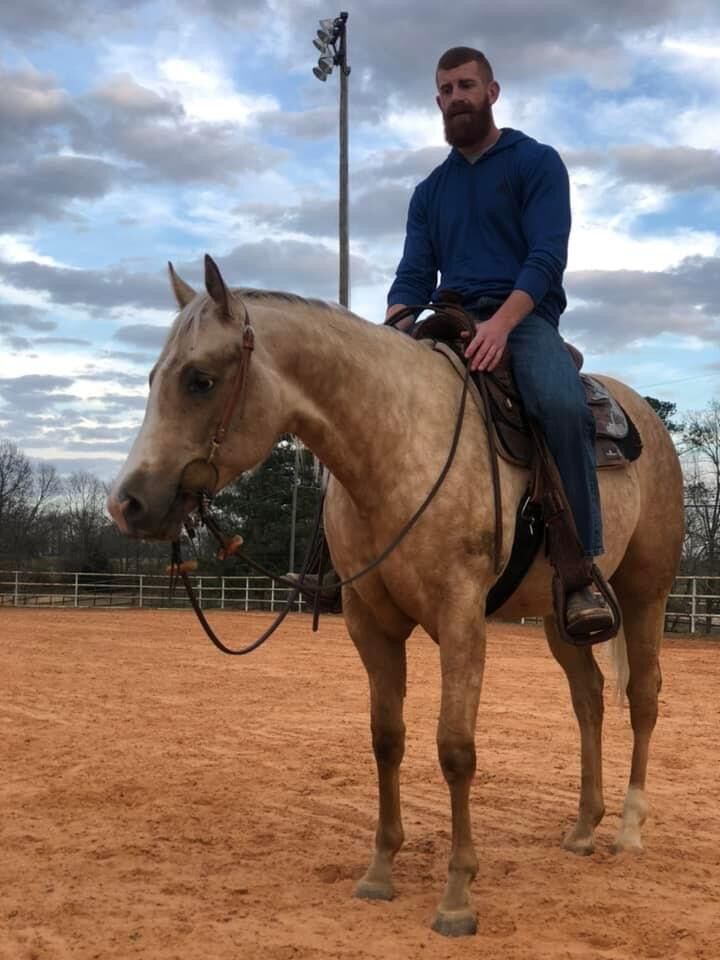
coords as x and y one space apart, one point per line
50 522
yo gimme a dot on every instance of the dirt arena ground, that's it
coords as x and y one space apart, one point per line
159 800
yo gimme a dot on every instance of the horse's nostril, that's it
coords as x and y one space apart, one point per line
126 510
133 508
142 506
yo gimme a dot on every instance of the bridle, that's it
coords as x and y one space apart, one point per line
200 479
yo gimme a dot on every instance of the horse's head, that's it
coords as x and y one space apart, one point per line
203 389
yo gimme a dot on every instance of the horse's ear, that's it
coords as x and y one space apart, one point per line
215 286
184 293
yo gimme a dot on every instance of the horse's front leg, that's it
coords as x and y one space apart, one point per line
385 661
462 659
586 683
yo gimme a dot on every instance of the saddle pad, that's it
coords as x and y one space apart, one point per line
610 418
617 439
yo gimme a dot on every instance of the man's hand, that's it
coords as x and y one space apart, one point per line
488 345
486 348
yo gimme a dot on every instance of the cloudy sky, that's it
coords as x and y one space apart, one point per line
135 132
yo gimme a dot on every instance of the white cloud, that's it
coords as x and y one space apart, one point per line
603 247
201 84
24 297
207 92
694 49
698 127
17 249
603 216
412 128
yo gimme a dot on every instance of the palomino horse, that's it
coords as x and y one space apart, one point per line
379 410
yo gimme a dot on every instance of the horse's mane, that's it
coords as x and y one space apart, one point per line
249 293
190 319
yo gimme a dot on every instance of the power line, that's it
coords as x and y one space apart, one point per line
664 383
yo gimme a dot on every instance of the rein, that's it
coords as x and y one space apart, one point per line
200 478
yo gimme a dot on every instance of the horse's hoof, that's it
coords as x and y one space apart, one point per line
581 846
367 890
632 846
456 923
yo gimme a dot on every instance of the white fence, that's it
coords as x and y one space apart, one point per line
693 606
22 589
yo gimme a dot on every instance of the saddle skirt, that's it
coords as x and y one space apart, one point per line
617 441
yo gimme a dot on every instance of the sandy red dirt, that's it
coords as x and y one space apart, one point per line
159 800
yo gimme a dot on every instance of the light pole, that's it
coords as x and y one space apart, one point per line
293 508
331 41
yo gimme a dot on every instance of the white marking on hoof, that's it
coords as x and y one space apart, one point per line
582 844
629 839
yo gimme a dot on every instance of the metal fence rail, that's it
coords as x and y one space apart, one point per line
693 606
143 590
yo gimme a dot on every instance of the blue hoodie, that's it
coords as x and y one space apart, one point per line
490 227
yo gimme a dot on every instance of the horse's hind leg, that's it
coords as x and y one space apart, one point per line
586 689
385 661
643 623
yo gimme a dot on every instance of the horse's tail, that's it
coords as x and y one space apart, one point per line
621 667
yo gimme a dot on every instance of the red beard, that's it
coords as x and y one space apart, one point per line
466 125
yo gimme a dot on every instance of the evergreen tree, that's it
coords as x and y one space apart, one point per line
665 409
259 506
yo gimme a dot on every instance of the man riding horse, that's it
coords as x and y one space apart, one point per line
494 220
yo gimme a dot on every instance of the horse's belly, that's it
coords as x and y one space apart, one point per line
533 598
620 499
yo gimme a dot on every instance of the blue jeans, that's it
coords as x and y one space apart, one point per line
553 395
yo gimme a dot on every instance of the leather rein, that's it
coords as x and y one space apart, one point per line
200 478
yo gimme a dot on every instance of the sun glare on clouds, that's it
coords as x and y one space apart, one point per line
207 93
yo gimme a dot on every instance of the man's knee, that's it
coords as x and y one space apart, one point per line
568 407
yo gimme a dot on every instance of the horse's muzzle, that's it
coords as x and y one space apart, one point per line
140 514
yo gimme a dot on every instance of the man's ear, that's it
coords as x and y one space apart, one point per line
494 91
437 101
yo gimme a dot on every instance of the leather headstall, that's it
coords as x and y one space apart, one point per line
201 476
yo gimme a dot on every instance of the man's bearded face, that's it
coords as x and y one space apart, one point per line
467 124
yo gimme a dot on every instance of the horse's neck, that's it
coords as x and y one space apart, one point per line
352 392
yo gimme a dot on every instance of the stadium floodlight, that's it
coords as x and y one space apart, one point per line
331 41
324 67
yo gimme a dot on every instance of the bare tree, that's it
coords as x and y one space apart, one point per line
16 481
701 464
25 493
85 522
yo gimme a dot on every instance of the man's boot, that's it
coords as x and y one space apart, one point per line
586 612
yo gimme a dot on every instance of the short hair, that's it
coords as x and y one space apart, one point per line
457 56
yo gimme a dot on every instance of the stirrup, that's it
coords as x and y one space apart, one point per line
586 612
608 594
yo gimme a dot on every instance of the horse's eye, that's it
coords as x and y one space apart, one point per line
200 382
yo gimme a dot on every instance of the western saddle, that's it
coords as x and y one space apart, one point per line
520 441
